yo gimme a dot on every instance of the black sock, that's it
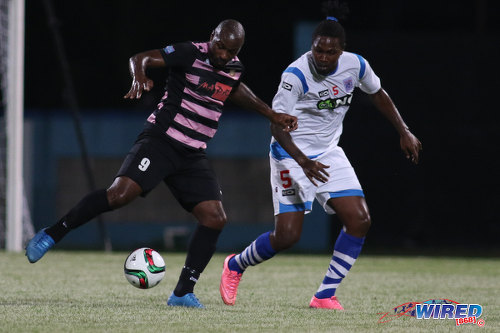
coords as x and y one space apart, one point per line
187 280
89 207
200 251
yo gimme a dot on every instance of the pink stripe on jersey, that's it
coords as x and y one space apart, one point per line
203 65
152 118
202 98
200 110
165 95
195 126
194 79
232 74
175 134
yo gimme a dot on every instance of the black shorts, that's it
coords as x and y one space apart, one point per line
187 172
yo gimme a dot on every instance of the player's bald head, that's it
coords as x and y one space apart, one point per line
230 32
225 42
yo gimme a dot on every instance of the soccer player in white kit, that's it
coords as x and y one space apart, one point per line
308 164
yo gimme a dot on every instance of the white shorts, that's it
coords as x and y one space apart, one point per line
293 191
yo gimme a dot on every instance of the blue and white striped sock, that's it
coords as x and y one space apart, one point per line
346 251
260 250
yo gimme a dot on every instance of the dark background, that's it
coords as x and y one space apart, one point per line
437 60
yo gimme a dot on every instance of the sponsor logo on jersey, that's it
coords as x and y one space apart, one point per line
333 103
169 49
217 90
323 93
287 86
348 84
289 192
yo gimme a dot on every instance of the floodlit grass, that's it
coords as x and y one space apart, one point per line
87 292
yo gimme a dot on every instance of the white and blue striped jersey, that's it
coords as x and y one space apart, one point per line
320 102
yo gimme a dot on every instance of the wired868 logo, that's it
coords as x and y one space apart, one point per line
437 309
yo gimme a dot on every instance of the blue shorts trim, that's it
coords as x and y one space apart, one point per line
347 193
278 153
295 207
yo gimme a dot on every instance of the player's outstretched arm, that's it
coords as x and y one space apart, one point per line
313 170
137 66
409 143
245 98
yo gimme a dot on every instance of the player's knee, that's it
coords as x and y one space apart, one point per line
215 220
364 224
117 199
360 226
210 214
284 240
219 220
122 191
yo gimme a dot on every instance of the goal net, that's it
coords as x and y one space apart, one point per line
16 227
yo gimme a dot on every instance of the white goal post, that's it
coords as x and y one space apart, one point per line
14 123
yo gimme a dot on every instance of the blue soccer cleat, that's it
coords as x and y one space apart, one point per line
38 246
189 300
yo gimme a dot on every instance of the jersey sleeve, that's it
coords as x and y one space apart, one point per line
178 55
369 81
289 91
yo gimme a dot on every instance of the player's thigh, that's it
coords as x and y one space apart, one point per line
342 181
147 163
342 174
195 182
291 190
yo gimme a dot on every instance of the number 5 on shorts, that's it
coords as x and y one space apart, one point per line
285 177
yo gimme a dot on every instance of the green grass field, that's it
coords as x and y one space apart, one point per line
87 292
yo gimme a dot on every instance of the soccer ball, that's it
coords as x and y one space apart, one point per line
144 268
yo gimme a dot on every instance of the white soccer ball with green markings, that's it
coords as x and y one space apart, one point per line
144 268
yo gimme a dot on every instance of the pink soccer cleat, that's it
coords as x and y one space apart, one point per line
229 282
325 303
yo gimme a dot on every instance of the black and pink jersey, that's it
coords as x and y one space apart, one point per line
189 111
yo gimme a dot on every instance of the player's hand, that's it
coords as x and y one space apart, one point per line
411 146
287 122
138 87
315 170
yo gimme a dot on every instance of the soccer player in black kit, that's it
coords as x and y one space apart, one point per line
171 147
